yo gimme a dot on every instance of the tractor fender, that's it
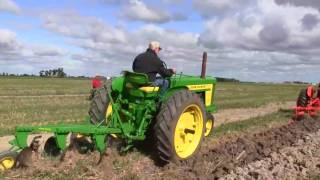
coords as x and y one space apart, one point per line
118 84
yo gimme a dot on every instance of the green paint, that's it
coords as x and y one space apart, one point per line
61 139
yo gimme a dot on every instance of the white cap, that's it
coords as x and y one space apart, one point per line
154 44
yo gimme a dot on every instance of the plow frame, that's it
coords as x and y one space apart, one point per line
312 109
113 125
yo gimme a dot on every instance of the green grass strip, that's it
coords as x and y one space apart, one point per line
253 124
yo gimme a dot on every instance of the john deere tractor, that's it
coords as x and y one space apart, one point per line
129 108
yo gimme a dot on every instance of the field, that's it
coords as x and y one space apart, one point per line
41 100
247 110
51 100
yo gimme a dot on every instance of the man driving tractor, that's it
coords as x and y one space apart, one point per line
150 64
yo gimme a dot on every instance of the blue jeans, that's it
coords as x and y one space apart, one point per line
163 83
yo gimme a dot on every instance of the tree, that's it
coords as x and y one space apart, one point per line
53 73
41 73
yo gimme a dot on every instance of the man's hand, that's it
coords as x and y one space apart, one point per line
174 70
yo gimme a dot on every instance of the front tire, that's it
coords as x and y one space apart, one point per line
7 160
179 127
303 98
209 125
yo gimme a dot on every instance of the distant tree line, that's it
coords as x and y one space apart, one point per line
296 82
53 73
221 79
17 75
59 73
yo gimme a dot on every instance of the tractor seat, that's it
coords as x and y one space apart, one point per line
139 80
149 89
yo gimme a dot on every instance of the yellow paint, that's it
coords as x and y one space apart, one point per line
188 131
109 111
79 136
208 88
45 129
6 163
108 114
149 89
209 126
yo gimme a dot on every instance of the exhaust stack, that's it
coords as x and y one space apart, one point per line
204 65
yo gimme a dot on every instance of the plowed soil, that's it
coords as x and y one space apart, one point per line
222 117
255 156
225 158
300 161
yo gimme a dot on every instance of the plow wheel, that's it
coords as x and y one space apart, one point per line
209 125
81 143
51 147
7 160
303 98
179 127
302 101
99 105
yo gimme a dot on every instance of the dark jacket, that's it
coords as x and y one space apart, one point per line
150 64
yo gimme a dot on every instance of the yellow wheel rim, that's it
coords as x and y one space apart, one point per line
108 114
209 126
6 163
109 111
188 131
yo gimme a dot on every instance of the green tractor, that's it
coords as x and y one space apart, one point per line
128 108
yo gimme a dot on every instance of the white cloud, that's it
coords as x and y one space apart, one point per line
48 51
209 8
303 3
82 27
8 41
9 6
273 41
309 21
267 27
173 1
169 38
111 46
12 50
137 10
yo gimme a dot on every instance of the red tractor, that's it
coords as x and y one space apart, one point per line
308 102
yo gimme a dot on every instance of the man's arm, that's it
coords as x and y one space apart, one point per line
134 64
163 71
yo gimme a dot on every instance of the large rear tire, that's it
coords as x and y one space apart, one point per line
179 127
100 104
303 98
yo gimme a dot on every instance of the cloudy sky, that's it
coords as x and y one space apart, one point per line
251 40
